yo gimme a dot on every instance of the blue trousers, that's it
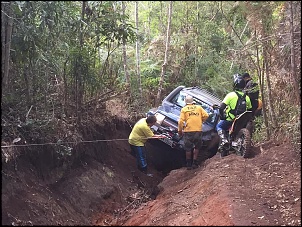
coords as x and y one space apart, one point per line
223 125
140 153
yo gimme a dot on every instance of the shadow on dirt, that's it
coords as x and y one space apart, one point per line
254 152
46 186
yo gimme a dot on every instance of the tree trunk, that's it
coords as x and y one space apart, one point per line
268 131
65 105
196 41
3 33
164 66
267 65
79 80
269 93
127 78
292 55
7 43
137 52
27 85
260 72
149 21
160 19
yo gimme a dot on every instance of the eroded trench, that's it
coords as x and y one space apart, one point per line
43 187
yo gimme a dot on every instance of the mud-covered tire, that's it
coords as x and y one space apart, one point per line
244 141
250 126
213 145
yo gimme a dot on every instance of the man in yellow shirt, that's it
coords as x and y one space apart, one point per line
190 126
139 135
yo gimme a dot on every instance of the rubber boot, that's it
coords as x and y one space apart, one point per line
189 164
224 143
223 152
195 164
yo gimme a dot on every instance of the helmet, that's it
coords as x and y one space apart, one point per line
235 76
189 99
239 82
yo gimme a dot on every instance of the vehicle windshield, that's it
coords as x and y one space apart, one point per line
180 100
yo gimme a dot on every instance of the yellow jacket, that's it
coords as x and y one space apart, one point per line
140 133
191 118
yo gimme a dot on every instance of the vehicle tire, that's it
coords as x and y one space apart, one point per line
213 145
244 142
250 126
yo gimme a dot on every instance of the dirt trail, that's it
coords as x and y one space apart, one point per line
260 191
101 186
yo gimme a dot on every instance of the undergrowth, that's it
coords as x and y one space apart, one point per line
289 127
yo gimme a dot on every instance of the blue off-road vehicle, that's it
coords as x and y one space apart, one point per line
168 113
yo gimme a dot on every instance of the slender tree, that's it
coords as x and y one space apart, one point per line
3 29
127 78
6 34
137 52
292 54
196 40
260 72
164 66
270 99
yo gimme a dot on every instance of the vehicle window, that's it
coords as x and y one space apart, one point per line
179 99
208 109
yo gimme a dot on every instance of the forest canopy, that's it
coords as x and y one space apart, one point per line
64 59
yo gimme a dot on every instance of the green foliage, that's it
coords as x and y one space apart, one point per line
47 37
150 82
289 126
62 150
290 122
260 130
56 48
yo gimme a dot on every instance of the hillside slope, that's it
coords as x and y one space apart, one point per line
100 185
264 190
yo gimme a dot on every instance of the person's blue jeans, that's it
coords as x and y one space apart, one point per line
223 125
140 153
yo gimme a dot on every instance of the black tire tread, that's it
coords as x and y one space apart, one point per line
247 143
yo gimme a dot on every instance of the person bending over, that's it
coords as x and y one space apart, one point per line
139 135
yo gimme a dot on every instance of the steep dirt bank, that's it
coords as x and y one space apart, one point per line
99 185
98 178
264 190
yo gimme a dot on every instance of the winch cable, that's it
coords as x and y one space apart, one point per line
61 143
